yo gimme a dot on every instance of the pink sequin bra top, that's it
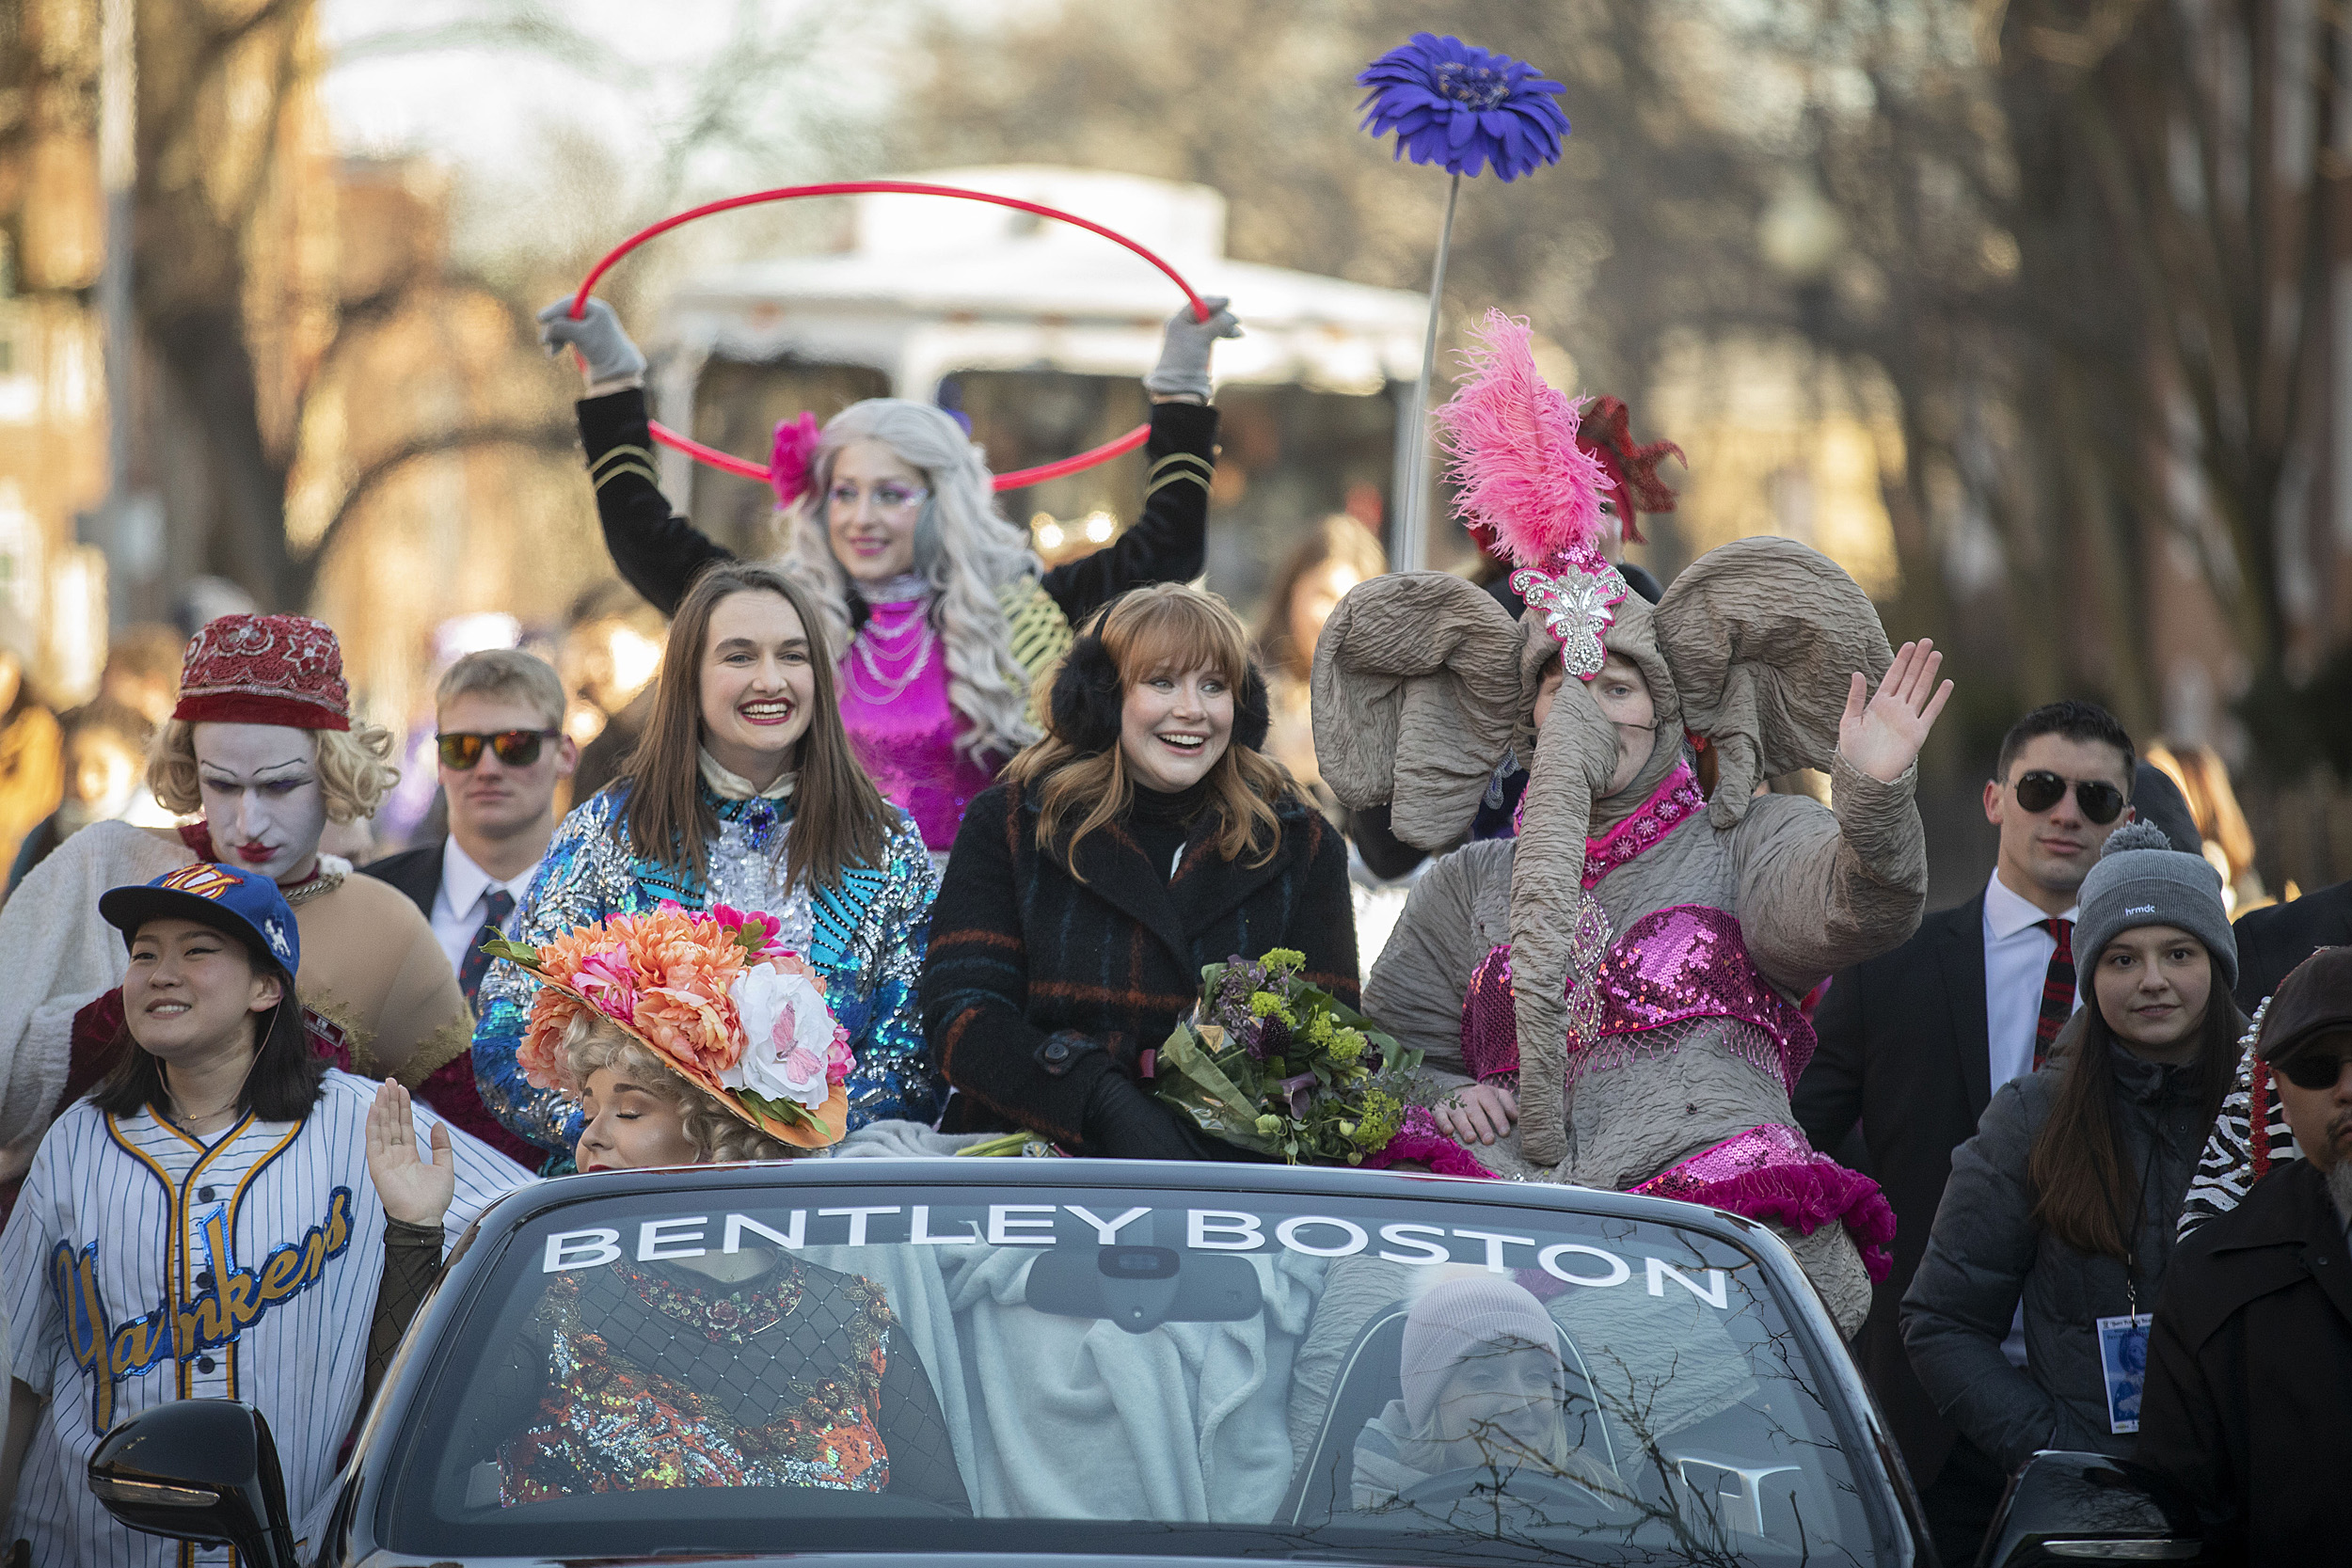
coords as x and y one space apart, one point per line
1672 967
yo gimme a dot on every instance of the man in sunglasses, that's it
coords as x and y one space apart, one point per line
2250 1360
501 750
1914 1042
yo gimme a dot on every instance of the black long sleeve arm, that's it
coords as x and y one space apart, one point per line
1169 540
657 551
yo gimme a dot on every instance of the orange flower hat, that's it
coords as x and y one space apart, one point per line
714 997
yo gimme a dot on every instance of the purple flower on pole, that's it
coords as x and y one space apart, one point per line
1465 107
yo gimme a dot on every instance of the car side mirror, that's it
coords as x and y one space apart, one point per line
2072 1508
202 1470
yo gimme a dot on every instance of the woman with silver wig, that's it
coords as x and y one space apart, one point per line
890 521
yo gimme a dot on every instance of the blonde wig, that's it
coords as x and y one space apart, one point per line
593 1042
354 768
965 548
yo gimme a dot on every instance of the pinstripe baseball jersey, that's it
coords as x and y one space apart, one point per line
143 1265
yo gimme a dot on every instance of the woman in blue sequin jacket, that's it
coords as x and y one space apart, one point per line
742 791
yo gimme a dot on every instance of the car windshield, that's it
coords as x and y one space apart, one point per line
871 1366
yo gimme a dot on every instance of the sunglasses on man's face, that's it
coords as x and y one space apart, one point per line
2313 1070
462 748
2041 789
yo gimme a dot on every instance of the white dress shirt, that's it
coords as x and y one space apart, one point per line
2016 962
2017 949
458 908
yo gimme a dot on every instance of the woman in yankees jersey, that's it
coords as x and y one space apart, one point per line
201 1225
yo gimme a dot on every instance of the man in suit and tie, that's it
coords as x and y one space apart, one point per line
501 750
1914 1042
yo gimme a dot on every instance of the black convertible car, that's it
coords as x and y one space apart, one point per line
993 1358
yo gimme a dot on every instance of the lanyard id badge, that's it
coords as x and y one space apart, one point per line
2124 1366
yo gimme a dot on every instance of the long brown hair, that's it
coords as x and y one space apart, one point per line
2075 1169
840 819
1169 625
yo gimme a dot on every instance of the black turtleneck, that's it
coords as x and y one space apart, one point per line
1161 822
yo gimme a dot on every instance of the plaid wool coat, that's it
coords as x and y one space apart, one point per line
1021 949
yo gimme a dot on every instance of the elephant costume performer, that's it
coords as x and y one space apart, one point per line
1634 956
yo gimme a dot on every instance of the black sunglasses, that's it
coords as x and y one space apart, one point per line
2041 789
2313 1070
462 748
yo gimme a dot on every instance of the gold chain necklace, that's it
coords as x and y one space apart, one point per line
317 885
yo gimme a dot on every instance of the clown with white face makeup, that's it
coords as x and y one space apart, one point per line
264 751
1610 997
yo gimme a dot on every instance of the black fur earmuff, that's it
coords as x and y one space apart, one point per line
1087 696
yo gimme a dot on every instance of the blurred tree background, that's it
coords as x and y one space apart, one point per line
2088 251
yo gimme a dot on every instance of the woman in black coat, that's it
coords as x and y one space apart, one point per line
1145 837
2068 1197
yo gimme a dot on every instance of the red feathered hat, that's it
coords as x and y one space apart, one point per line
284 670
1606 432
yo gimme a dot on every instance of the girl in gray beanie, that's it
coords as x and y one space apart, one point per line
2068 1196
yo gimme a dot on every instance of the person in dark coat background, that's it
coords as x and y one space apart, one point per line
2272 941
1914 1042
1145 837
2069 1196
2250 1356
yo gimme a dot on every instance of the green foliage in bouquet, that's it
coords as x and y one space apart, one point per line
1271 1064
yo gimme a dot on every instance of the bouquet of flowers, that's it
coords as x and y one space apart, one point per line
1272 1063
714 996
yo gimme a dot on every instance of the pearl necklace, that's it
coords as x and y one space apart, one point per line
891 684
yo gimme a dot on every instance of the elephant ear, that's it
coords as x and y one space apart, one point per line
1763 636
1417 689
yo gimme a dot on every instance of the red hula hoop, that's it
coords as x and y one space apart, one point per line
749 469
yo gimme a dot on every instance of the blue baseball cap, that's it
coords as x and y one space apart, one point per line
239 903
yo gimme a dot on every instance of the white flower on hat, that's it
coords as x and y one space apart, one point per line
788 1037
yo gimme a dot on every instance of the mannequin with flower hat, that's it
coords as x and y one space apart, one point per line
1610 997
687 1037
264 745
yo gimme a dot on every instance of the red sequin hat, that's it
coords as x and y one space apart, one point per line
283 670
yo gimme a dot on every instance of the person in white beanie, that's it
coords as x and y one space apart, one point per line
1483 1389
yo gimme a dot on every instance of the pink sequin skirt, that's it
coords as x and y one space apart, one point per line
1770 1173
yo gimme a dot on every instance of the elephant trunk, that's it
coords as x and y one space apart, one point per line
1576 752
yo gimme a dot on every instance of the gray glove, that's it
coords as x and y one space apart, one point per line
1184 367
610 356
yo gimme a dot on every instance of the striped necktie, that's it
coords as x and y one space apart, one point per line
2057 991
500 904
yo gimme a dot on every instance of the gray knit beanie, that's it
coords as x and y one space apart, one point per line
2142 880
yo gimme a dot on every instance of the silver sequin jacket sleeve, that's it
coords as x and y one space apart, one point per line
585 878
876 993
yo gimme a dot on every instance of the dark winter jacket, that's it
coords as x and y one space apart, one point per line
2249 1404
1029 968
1986 1252
659 553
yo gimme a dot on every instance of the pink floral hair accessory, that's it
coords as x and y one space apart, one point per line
788 457
714 997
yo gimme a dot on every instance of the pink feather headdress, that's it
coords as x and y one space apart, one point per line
788 459
1522 483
